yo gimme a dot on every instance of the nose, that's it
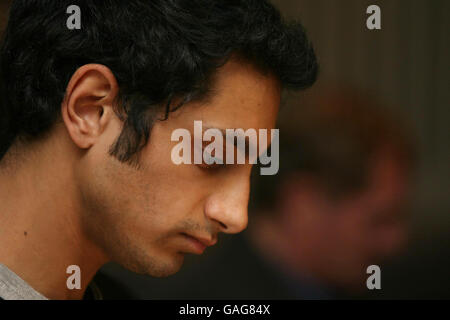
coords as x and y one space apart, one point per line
227 206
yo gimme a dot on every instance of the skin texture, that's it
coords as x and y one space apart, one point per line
335 240
65 201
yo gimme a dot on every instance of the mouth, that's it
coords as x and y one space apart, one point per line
197 244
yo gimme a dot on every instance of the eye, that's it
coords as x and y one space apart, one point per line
211 166
211 162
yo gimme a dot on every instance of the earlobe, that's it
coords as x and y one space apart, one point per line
88 103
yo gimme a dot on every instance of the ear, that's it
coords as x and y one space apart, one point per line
88 104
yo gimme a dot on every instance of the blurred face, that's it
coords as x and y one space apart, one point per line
338 240
147 219
370 226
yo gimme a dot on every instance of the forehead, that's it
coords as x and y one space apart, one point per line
242 97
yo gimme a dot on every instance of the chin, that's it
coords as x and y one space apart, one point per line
159 267
168 269
164 273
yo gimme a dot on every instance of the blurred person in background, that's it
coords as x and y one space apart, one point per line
340 201
338 205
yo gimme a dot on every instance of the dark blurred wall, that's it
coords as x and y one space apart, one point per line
406 65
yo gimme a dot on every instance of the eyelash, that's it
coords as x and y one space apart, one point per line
213 166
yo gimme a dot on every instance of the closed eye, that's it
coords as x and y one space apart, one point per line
211 162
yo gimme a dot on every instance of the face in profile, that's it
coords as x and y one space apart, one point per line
148 218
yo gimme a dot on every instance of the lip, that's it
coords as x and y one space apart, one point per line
197 244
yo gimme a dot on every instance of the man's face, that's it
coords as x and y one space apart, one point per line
146 219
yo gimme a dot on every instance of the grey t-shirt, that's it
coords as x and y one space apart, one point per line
12 287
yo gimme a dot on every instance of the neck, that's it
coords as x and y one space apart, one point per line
40 223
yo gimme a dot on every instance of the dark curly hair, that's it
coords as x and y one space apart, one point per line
158 50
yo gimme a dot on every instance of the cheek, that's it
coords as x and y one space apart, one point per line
159 199
117 197
350 235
